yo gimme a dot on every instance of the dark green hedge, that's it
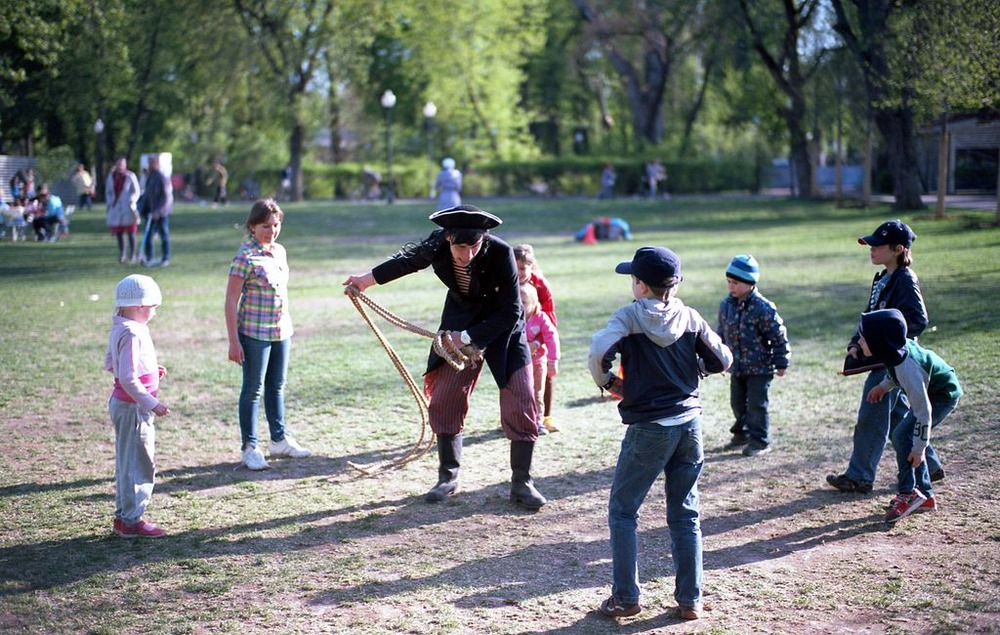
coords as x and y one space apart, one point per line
557 177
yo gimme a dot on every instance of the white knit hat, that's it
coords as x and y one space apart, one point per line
137 290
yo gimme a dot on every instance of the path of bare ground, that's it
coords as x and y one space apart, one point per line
316 549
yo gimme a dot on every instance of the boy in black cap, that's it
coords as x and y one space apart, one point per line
933 391
895 287
665 348
482 308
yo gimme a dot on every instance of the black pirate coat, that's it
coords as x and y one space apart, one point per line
491 310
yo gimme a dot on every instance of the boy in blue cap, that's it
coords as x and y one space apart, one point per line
933 391
894 287
665 348
750 325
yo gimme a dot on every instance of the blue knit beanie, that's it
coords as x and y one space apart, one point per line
744 268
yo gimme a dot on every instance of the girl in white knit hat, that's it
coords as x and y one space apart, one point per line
134 404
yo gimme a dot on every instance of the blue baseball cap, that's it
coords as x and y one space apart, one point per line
656 266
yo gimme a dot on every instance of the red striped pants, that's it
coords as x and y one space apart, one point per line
448 392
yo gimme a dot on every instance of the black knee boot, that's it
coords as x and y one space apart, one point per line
522 490
449 460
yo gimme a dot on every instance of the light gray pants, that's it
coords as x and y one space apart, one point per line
135 437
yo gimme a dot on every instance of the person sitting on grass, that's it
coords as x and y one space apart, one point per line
933 391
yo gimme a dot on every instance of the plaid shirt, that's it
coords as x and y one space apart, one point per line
263 309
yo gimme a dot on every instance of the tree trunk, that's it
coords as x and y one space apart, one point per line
295 146
897 128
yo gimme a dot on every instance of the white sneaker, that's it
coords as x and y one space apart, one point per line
287 447
253 458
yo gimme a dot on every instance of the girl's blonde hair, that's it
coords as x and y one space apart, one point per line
262 210
529 298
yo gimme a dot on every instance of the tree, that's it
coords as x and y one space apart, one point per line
869 29
778 40
642 46
292 37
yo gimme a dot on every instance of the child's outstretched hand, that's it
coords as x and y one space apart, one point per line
161 410
916 458
875 395
780 372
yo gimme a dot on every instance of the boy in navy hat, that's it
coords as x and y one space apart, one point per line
894 287
665 347
933 391
750 325
483 309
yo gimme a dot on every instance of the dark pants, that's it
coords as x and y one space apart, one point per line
748 398
448 392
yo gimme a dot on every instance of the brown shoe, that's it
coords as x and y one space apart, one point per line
686 613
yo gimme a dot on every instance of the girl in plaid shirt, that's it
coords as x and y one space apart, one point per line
260 331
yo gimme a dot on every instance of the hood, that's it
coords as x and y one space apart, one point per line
662 322
885 333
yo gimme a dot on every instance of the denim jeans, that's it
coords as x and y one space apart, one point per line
902 441
265 365
647 451
872 430
159 227
748 399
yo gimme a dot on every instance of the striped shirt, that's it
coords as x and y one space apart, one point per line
263 307
462 277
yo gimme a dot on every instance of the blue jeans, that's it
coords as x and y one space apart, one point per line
159 227
649 450
748 398
871 432
265 366
902 441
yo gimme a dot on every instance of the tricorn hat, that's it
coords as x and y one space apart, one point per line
465 217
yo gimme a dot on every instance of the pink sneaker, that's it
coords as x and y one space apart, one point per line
141 529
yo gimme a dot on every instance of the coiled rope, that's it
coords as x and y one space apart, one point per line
443 346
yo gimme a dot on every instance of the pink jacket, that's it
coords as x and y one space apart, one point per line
132 359
540 329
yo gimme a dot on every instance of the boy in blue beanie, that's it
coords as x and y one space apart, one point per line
933 391
750 325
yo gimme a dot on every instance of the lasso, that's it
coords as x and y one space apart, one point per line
443 346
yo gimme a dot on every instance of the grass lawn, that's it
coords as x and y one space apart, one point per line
312 546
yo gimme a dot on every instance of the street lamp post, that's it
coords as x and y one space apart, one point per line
388 101
99 164
430 111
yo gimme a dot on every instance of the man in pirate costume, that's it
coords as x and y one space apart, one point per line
482 312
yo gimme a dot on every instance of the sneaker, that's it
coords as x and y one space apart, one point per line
756 449
845 483
937 475
117 526
613 608
165 263
905 505
141 529
739 439
287 447
549 426
929 505
253 458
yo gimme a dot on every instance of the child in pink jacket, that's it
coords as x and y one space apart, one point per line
134 404
543 339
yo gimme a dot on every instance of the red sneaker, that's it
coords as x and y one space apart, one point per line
141 529
904 505
117 526
929 505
